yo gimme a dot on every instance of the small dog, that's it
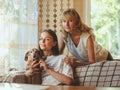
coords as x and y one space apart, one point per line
30 56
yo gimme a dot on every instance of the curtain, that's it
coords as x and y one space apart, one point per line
18 32
50 13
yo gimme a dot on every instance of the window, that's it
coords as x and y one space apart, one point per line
105 20
18 32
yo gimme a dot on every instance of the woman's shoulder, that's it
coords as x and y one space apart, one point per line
58 56
85 34
61 55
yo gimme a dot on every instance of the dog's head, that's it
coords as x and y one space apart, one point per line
33 54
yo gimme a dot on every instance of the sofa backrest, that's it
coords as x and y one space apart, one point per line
100 74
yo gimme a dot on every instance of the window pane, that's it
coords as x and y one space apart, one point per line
18 32
105 20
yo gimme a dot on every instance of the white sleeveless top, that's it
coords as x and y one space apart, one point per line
81 53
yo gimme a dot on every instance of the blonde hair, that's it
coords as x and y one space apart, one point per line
80 25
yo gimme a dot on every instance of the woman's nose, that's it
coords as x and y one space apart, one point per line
43 40
67 23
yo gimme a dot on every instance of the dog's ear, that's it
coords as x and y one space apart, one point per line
26 56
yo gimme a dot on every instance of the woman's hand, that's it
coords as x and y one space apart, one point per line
35 64
43 65
70 60
34 67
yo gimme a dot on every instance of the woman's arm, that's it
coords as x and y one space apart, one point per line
91 51
74 63
61 43
59 76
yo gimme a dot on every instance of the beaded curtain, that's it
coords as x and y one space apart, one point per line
50 14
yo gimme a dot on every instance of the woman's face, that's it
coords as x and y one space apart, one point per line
46 41
68 23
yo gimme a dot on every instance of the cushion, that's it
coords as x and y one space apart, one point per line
103 74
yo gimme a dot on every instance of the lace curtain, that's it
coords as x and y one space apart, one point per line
18 32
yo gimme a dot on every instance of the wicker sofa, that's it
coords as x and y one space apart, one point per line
100 74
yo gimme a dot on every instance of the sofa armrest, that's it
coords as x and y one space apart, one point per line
20 77
15 77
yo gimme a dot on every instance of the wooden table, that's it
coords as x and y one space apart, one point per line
13 86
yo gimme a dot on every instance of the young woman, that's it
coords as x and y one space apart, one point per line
80 41
55 71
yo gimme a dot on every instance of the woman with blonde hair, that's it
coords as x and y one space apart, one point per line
80 41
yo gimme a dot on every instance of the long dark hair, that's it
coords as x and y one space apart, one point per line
55 49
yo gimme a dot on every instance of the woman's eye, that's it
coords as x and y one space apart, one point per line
47 39
70 20
64 21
